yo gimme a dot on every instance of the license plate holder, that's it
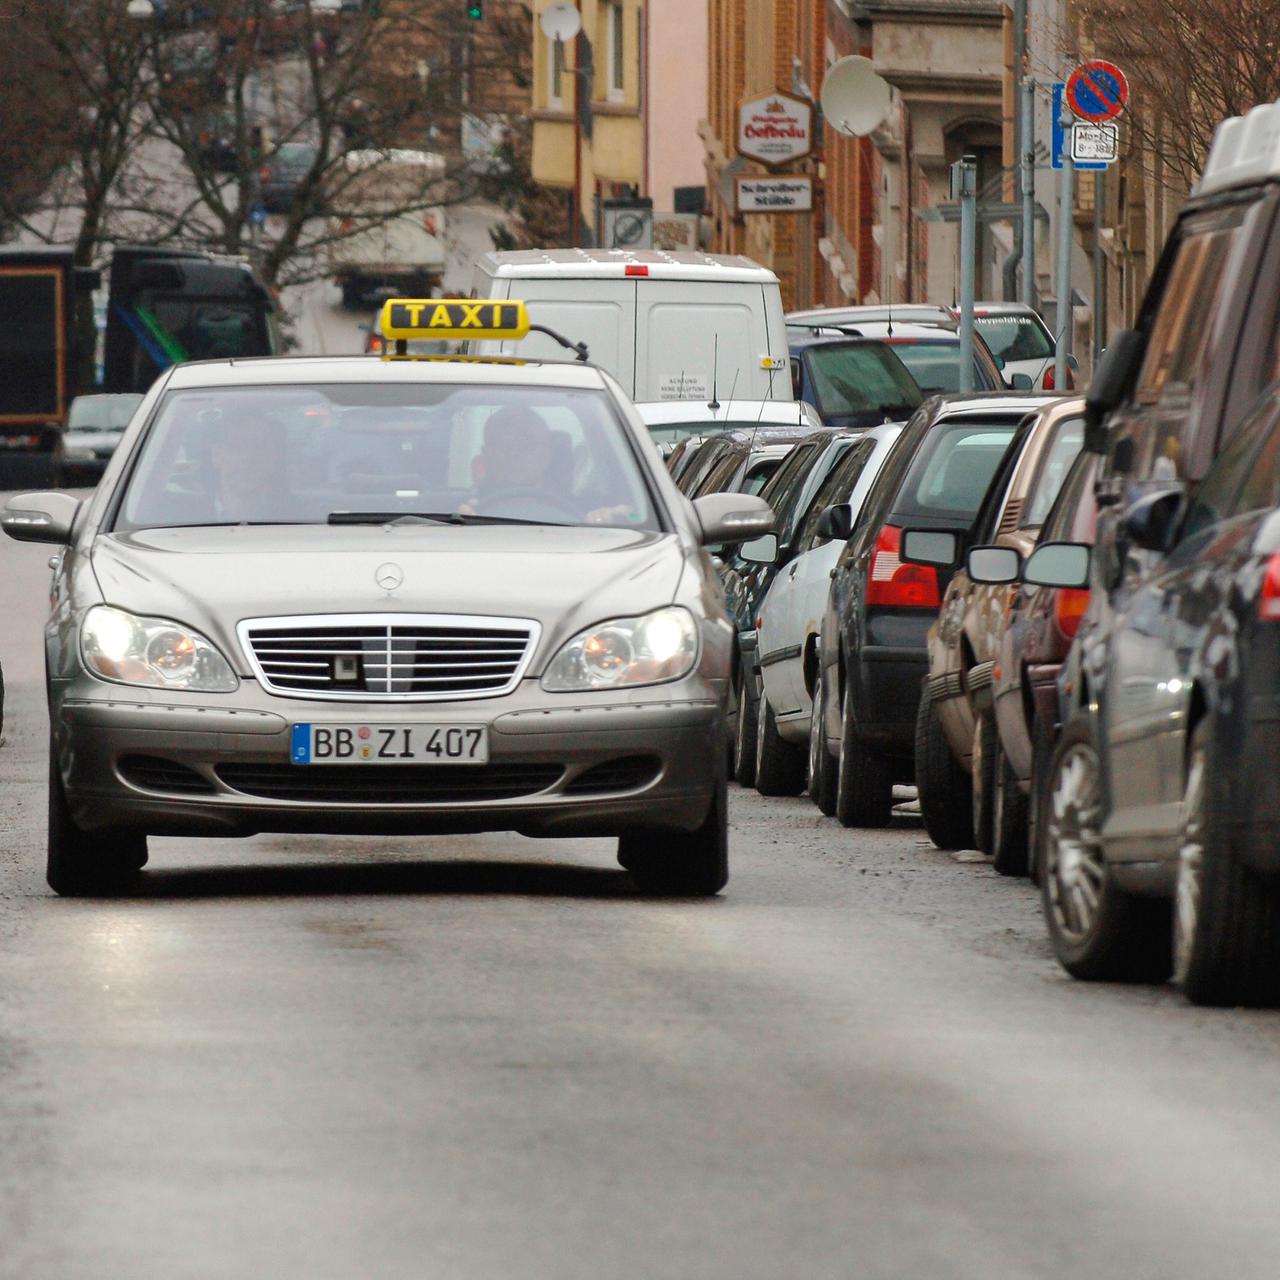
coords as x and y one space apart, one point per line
389 744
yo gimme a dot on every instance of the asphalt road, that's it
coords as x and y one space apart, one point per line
486 1057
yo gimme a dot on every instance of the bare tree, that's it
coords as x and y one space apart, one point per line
1190 63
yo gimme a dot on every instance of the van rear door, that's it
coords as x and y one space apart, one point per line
691 332
601 313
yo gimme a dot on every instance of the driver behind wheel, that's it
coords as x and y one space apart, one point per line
519 472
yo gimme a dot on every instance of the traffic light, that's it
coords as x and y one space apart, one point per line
475 10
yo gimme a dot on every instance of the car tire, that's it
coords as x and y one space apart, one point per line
692 864
822 770
1010 814
1226 920
87 864
744 733
982 782
864 785
779 764
945 790
1098 931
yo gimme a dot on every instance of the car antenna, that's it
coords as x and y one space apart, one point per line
752 443
889 312
713 404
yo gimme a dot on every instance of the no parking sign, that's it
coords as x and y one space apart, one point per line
1097 91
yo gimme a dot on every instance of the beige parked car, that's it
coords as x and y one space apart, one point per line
955 738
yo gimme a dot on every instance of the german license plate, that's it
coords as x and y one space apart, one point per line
389 744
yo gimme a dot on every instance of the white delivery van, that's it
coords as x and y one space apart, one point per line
668 326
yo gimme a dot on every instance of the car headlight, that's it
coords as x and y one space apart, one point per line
152 651
650 649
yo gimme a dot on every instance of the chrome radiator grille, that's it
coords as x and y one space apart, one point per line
413 657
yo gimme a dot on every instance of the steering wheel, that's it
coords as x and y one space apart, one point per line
537 497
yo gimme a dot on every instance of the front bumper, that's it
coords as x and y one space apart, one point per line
203 765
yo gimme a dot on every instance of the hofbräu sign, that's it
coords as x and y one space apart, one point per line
775 128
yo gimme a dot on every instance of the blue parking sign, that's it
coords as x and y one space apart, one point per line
1060 139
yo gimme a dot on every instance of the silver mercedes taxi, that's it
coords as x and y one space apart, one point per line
397 595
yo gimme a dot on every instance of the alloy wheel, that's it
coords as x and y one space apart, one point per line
1186 915
1075 867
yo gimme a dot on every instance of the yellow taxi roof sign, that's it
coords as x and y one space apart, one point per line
452 318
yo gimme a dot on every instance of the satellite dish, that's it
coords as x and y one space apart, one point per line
560 21
855 99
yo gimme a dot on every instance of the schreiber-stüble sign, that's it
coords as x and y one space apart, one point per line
775 128
775 195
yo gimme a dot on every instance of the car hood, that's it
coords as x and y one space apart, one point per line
213 578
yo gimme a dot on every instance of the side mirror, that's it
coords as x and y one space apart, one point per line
1072 362
1020 382
733 517
1110 382
1152 520
763 550
40 517
1058 564
993 564
836 522
935 547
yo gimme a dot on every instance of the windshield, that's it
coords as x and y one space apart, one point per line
286 455
1014 337
936 365
861 384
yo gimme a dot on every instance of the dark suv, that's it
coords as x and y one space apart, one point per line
873 646
1147 706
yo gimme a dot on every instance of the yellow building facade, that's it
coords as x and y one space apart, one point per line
588 127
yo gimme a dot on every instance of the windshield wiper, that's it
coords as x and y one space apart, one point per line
389 517
430 517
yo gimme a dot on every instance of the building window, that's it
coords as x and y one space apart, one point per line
616 52
555 75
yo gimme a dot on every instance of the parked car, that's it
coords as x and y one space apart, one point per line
931 353
906 313
852 382
738 461
747 569
788 622
95 426
1168 399
1021 341
284 176
1164 789
872 649
956 741
682 454
1039 626
670 421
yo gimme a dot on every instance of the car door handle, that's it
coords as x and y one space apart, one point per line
832 575
791 573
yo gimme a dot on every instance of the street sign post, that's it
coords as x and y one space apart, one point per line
1097 91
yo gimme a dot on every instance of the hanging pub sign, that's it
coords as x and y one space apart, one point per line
775 128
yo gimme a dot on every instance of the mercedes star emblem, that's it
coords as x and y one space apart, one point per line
388 576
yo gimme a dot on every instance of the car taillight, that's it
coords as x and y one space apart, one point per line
264 173
890 582
1051 381
428 224
1269 597
1069 606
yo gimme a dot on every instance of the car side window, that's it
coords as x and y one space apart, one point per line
1245 477
835 488
786 481
1175 359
